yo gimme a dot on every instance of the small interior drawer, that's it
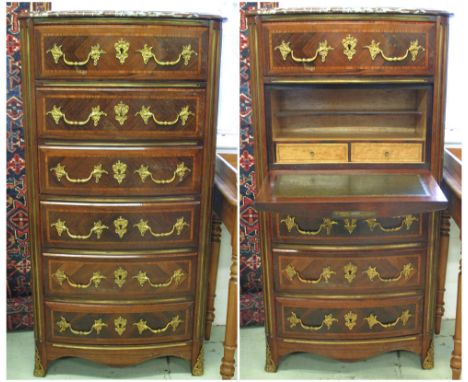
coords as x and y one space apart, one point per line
312 153
386 152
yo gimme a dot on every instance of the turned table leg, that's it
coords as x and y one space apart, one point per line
230 339
456 360
442 269
212 273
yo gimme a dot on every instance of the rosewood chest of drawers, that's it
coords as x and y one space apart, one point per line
120 134
349 126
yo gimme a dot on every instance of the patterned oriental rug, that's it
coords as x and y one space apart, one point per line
19 301
251 296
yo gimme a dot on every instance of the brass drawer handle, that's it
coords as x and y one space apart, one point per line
185 54
94 54
327 224
406 223
178 227
95 279
95 115
174 323
403 318
182 115
406 272
328 321
322 51
291 272
63 325
180 172
98 229
60 172
414 48
176 277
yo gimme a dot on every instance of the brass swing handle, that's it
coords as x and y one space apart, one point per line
95 279
406 223
327 224
180 172
98 229
285 51
291 272
143 326
185 54
95 116
403 318
414 48
176 278
328 321
94 54
60 172
178 227
182 115
64 325
406 272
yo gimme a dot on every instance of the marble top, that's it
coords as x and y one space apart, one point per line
346 10
149 14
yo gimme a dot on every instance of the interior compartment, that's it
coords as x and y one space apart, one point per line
360 112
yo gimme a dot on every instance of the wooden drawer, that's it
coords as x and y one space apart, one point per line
118 324
177 52
350 318
367 152
349 47
120 171
120 278
305 229
311 153
120 114
125 226
360 271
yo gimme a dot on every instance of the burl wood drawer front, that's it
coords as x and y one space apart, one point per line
123 171
177 52
304 229
378 47
123 226
350 318
312 153
121 114
358 271
120 278
118 324
371 152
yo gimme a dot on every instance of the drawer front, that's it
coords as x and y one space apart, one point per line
176 52
349 319
120 324
120 114
119 226
304 229
386 152
119 278
127 171
359 271
385 48
312 153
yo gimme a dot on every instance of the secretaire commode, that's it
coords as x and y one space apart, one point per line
349 126
120 112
